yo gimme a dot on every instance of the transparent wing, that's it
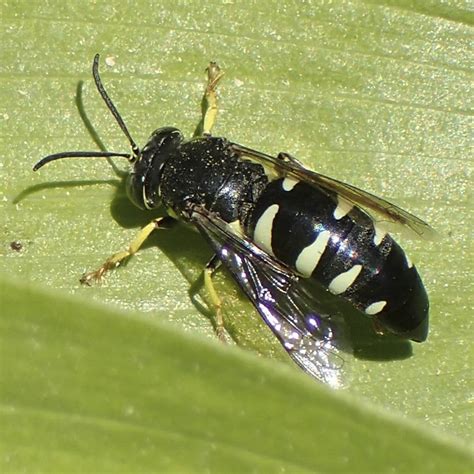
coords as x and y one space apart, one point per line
380 209
281 299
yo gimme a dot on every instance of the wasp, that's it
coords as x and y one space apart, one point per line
275 226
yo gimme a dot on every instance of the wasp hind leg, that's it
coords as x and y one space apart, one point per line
209 101
117 258
208 272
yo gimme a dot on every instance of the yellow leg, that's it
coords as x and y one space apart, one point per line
214 75
215 300
117 258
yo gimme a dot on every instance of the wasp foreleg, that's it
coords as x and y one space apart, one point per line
117 258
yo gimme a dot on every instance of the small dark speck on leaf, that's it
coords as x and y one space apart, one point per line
16 245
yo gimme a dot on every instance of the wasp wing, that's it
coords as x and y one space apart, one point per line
286 306
380 209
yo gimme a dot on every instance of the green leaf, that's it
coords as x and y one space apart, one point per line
131 394
378 94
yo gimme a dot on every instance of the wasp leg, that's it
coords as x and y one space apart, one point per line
209 113
117 258
209 270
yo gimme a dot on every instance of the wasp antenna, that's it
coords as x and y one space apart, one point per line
111 106
79 154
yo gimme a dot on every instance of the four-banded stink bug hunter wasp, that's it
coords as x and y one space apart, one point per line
275 226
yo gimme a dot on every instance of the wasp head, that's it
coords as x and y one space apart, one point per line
143 183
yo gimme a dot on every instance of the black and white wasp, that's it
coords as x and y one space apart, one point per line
275 225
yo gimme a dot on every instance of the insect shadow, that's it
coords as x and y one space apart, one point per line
89 182
359 336
365 343
187 249
181 245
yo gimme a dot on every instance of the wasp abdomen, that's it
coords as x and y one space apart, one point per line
324 237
